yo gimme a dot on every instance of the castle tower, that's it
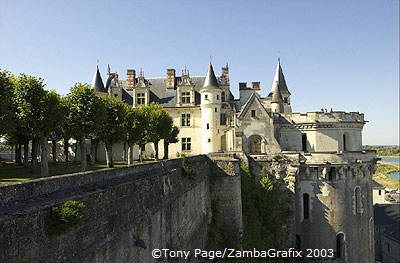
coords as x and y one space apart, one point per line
210 112
277 104
279 83
97 83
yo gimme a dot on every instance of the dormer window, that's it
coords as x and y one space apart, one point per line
253 113
185 97
140 98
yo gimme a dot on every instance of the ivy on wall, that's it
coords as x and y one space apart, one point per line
65 216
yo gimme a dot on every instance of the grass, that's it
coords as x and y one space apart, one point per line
380 177
10 173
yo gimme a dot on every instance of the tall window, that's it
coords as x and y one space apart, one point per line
222 119
223 96
340 249
344 143
185 97
332 174
306 206
253 113
185 119
140 98
186 144
304 142
217 97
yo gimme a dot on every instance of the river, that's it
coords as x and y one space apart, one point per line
395 160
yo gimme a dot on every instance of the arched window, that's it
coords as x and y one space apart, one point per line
357 200
255 144
344 142
306 206
340 247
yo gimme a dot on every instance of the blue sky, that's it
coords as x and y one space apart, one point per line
339 54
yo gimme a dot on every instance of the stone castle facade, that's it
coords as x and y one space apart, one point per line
331 181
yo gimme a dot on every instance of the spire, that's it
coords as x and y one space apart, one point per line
108 69
97 83
210 80
279 80
276 94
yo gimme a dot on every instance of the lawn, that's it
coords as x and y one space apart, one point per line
380 177
10 173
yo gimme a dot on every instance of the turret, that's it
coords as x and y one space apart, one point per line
97 83
279 82
210 112
277 104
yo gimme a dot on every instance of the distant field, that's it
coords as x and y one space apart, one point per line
384 150
381 178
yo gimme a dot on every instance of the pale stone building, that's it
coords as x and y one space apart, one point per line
331 187
210 119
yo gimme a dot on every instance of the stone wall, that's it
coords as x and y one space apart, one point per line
153 204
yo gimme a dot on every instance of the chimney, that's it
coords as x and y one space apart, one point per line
225 72
170 78
255 85
130 78
242 85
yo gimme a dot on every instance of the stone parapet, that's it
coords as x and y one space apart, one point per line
336 116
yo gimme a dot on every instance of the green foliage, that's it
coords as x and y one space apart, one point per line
135 125
65 217
6 88
384 150
187 168
112 129
264 211
86 112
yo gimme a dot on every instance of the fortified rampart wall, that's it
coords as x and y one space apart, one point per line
129 211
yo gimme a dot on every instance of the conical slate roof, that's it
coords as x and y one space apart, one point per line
210 80
279 80
97 83
276 94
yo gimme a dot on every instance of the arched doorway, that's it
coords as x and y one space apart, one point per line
255 144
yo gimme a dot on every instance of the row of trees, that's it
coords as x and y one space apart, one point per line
29 113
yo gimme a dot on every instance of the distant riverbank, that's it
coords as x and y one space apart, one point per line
388 172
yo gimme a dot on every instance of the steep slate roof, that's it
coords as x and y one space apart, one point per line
97 83
276 95
387 214
279 80
211 80
167 97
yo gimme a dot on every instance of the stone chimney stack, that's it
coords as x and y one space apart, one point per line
242 85
255 85
170 78
225 72
130 78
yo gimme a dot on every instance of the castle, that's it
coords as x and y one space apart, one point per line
331 184
210 119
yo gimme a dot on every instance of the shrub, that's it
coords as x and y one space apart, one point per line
187 169
65 216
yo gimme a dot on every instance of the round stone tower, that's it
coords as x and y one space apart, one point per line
210 113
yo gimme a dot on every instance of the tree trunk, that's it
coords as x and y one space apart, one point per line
125 152
166 144
76 152
83 154
44 162
130 155
156 149
66 149
18 159
141 146
93 146
34 154
54 150
109 156
26 153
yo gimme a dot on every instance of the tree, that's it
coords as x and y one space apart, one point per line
113 129
6 89
66 130
160 124
27 99
171 137
86 114
135 127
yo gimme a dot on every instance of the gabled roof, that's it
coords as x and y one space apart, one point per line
249 102
97 83
279 80
210 80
